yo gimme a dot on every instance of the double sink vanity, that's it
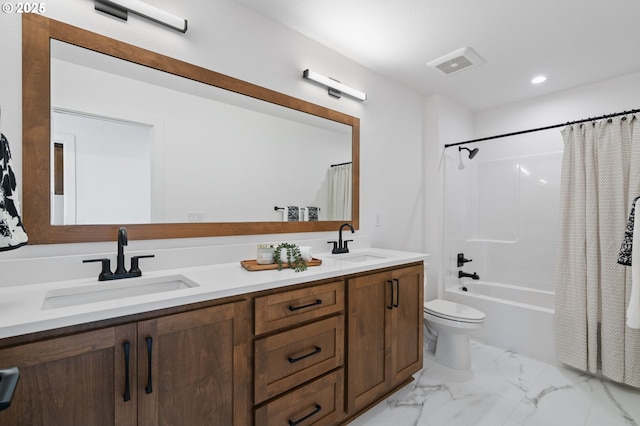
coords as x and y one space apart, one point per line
195 342
216 344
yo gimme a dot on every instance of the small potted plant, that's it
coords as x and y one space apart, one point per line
293 257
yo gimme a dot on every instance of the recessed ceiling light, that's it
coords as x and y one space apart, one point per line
538 79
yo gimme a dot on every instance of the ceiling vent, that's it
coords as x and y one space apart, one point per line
461 59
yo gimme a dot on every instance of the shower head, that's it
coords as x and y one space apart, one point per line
472 152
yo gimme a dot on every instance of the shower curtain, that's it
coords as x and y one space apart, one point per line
600 180
340 192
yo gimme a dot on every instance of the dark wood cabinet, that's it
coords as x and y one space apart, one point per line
299 356
384 333
320 353
196 373
199 368
74 380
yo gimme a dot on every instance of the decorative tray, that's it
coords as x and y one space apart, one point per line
252 265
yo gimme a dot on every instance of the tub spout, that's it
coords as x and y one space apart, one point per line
473 276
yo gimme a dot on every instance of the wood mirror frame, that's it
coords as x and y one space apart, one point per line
36 139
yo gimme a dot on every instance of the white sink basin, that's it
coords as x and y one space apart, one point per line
111 290
360 257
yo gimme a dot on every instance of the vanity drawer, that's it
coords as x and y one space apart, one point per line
286 360
296 306
318 403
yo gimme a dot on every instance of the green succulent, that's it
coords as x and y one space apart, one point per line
293 252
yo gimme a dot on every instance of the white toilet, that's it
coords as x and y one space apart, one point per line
451 324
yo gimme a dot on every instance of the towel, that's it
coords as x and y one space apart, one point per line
633 310
312 213
627 243
12 233
291 214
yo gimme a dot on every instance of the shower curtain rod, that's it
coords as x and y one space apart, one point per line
341 164
602 117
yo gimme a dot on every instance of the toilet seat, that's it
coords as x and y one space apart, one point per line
453 311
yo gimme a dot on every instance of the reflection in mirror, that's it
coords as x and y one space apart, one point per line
174 150
104 164
241 150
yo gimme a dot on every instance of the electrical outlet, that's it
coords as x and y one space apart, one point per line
195 216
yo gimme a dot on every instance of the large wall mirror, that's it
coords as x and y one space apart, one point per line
115 135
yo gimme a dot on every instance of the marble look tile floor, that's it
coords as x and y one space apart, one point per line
508 389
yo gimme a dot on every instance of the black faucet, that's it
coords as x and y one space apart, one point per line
473 276
341 246
120 271
123 240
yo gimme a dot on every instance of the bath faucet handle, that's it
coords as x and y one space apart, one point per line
135 268
335 245
345 245
106 268
462 260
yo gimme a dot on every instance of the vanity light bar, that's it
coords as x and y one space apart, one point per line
120 8
335 87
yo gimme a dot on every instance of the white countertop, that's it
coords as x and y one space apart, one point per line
21 306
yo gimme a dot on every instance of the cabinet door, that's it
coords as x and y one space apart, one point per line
194 368
407 323
73 380
369 334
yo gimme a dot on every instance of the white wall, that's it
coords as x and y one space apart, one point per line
231 39
605 97
111 162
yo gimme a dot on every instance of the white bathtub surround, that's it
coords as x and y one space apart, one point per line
501 210
509 389
600 179
518 318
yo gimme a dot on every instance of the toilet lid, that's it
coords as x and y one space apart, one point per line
453 311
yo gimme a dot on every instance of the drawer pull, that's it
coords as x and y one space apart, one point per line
314 412
317 350
295 308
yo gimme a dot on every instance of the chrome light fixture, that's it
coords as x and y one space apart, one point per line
120 9
335 88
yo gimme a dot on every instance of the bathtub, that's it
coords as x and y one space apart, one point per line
517 318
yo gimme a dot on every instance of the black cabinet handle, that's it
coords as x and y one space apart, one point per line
317 350
295 308
149 387
297 422
391 301
127 388
395 305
